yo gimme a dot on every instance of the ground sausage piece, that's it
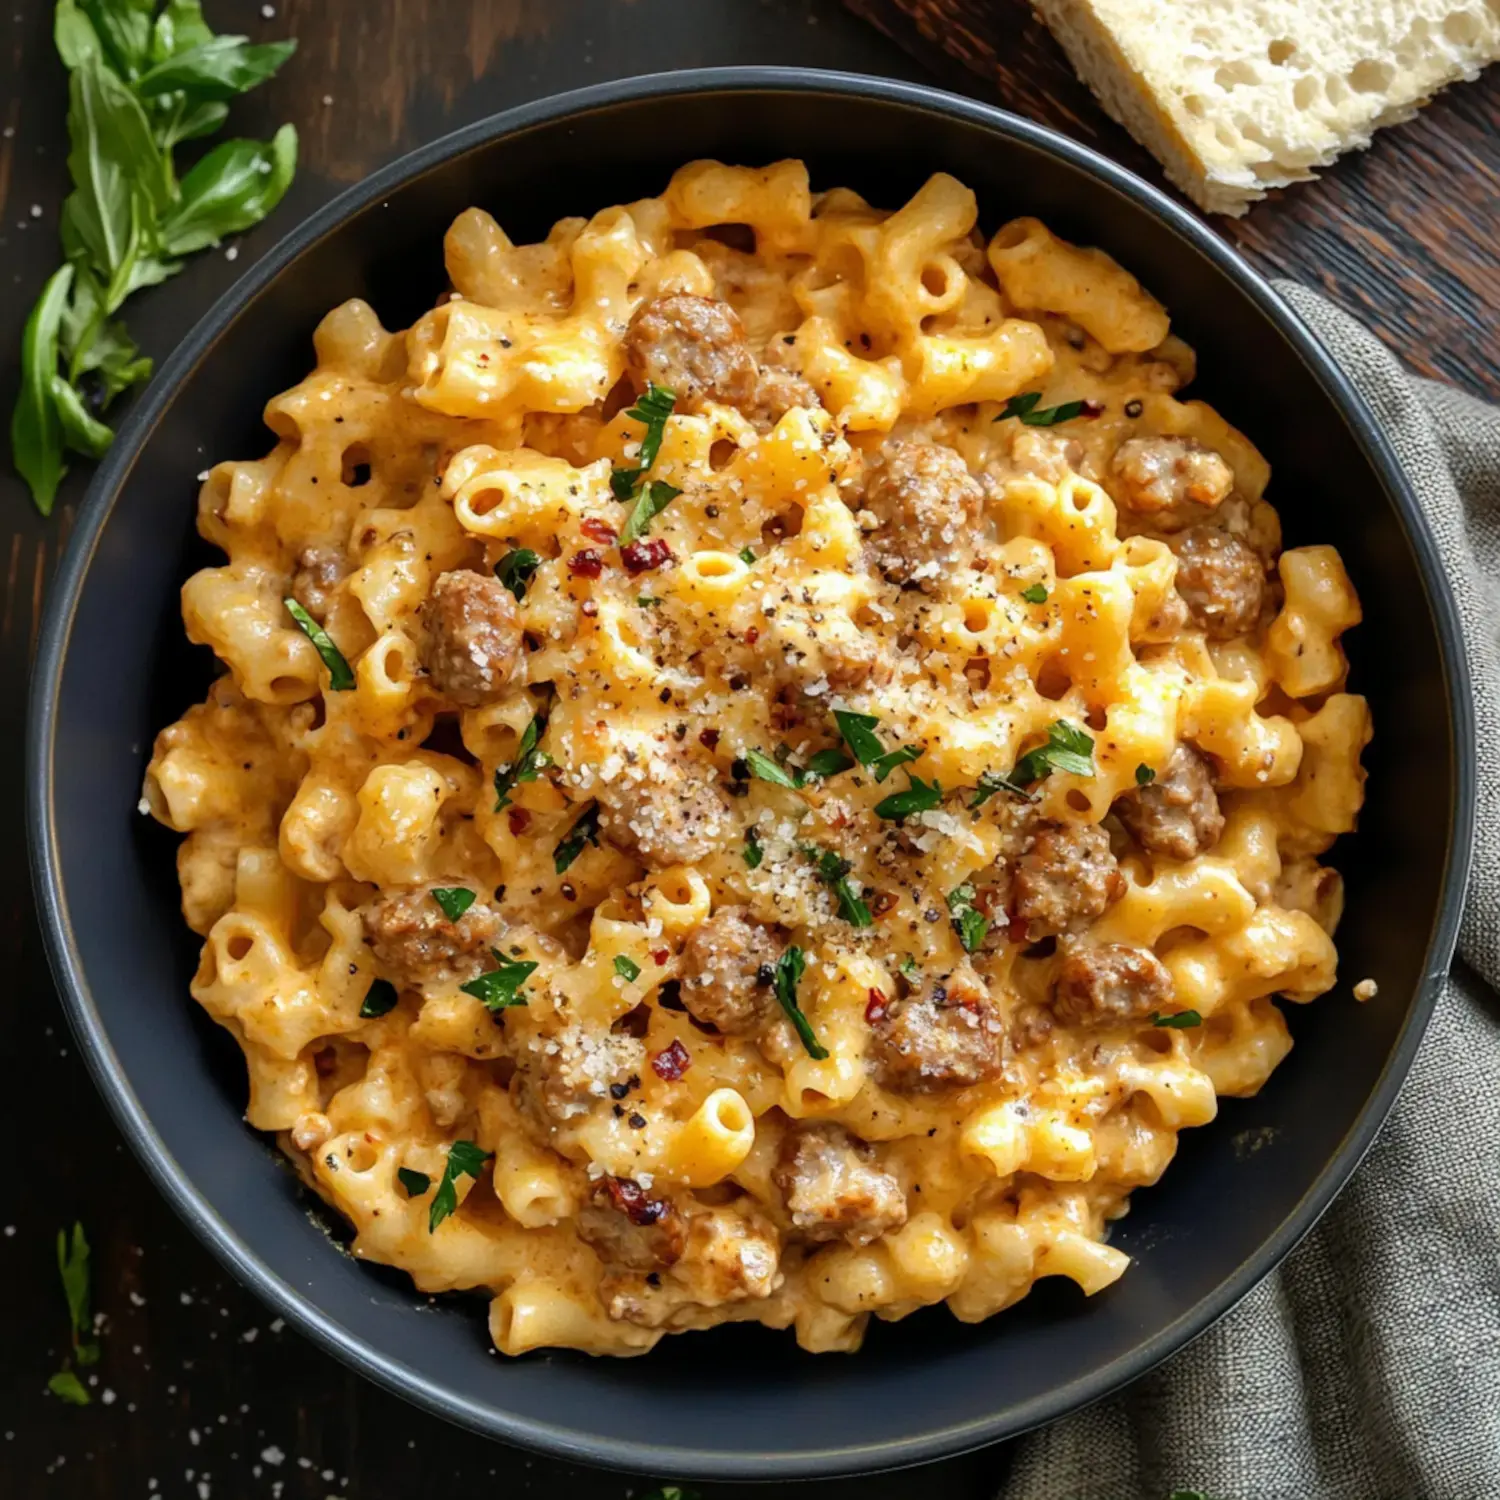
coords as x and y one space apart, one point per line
732 1253
319 571
1164 473
778 391
1065 879
417 947
472 639
663 812
832 1188
629 1229
726 962
927 504
1110 984
1178 813
1221 580
694 347
565 1075
946 1037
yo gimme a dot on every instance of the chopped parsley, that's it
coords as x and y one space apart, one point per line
415 1183
908 969
646 600
919 796
514 570
465 1159
454 899
1177 1019
834 872
1036 594
764 768
340 673
826 763
753 852
859 735
652 409
968 923
746 556
627 968
585 830
790 968
654 498
991 782
501 986
823 764
66 1386
1067 749
528 763
379 999
1144 775
73 1267
1025 407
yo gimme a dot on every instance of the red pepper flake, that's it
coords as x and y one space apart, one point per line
586 564
752 635
709 739
875 1008
629 1197
883 901
672 1063
599 531
518 818
661 956
642 557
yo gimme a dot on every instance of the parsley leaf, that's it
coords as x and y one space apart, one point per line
514 570
652 409
763 768
454 899
747 556
820 766
379 999
585 830
969 924
528 762
790 968
753 852
908 969
415 1183
1068 749
73 1266
919 796
68 1387
627 968
654 498
1036 594
340 674
1025 407
859 735
500 988
834 872
991 782
465 1159
1144 775
826 763
646 600
1177 1019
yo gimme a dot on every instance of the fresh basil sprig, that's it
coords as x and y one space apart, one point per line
144 77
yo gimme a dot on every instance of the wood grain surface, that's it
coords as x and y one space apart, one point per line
1403 235
199 1393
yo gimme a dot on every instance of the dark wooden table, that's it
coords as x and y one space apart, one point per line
199 1392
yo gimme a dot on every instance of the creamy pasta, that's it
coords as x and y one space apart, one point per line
766 764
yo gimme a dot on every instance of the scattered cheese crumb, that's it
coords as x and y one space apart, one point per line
1366 989
273 1456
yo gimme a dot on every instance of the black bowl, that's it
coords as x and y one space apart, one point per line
739 1402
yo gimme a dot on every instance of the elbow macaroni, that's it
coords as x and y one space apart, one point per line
630 1157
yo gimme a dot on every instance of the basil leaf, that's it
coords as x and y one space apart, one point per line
1025 408
790 968
1068 749
234 187
340 674
82 431
92 341
627 968
826 763
1036 594
380 999
124 26
455 900
528 763
501 987
36 428
179 28
216 69
747 556
1177 1019
652 409
1144 775
970 925
991 782
859 735
763 768
465 1159
73 1267
893 758
919 796
654 498
753 852
514 570
181 120
416 1183
66 1386
73 34
585 830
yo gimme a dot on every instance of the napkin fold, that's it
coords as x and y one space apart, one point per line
1367 1367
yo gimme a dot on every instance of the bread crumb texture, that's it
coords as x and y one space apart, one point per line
1237 96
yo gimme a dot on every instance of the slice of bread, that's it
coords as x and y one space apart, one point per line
1236 96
